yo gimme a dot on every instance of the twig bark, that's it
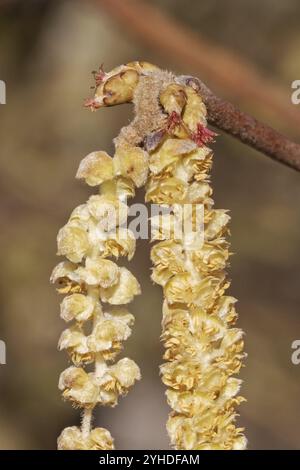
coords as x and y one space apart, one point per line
229 74
250 131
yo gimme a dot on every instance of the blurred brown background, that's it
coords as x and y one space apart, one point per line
47 50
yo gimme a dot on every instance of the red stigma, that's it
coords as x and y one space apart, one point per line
91 103
173 120
99 75
203 135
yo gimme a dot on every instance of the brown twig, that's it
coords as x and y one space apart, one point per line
253 133
247 129
228 73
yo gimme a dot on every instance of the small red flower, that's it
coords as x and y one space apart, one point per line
99 75
92 104
173 120
203 135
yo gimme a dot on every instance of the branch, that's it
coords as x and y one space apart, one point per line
166 35
227 73
247 129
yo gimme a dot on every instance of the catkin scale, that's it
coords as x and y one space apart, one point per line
203 350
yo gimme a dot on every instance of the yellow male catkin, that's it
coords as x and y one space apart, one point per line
89 278
203 349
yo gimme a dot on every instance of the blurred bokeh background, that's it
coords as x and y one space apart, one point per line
47 50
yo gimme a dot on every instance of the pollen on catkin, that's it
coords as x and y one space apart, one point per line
97 291
165 148
203 350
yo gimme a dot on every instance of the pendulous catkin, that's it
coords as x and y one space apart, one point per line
93 234
202 348
168 138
